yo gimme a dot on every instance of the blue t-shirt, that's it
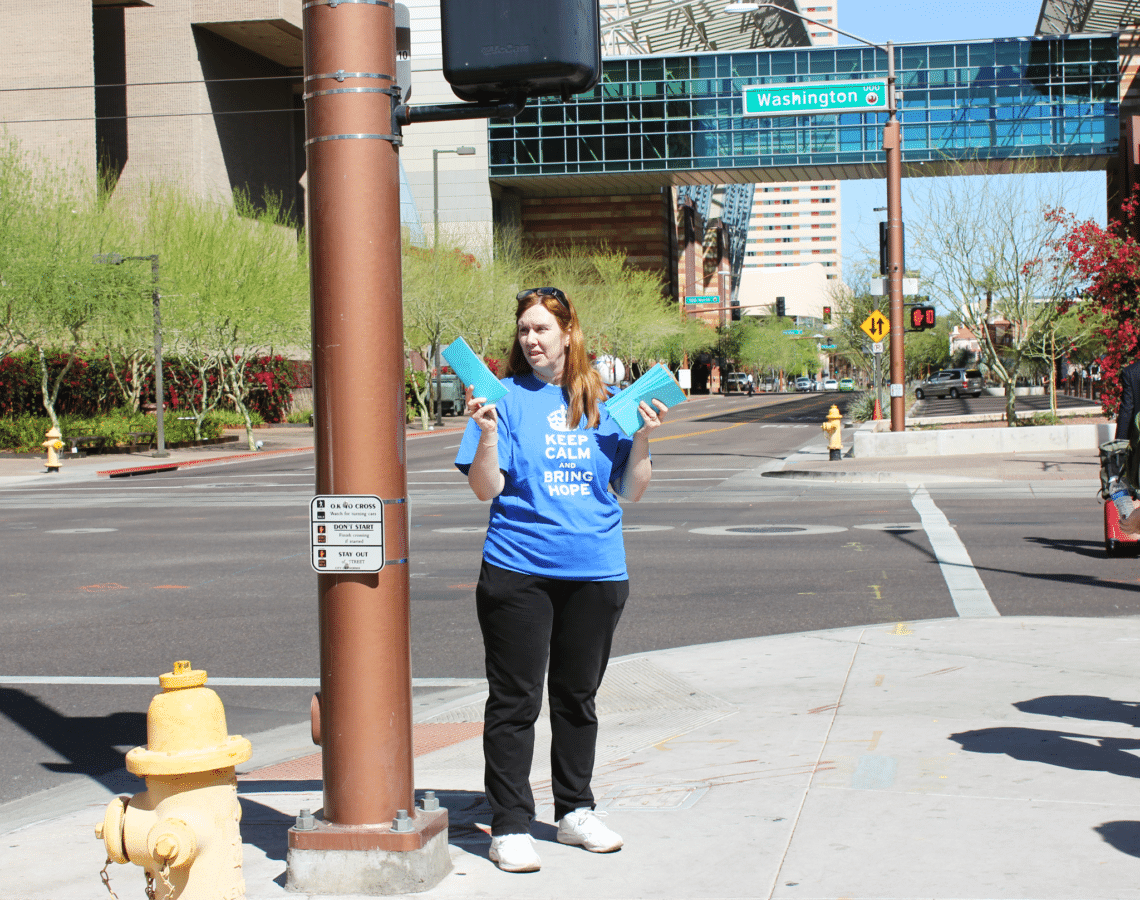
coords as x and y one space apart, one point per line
555 516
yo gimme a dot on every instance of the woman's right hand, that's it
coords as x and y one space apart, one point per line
482 412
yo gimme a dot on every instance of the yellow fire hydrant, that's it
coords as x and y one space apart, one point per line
183 829
53 445
834 428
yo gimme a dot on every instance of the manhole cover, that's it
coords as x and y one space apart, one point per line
768 529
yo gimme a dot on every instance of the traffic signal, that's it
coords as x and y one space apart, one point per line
780 307
921 317
504 49
827 314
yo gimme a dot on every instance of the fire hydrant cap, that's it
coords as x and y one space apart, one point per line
186 729
182 676
834 413
54 432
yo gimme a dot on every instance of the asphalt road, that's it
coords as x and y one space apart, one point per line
115 578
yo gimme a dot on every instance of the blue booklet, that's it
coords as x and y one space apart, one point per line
473 372
656 384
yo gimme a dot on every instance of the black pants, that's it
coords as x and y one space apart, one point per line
526 619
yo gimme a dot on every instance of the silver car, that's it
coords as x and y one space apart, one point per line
953 383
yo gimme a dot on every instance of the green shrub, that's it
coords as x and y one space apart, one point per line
228 418
26 433
299 417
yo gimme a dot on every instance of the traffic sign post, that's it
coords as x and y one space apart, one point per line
834 97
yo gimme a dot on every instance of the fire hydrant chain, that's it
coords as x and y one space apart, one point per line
164 876
105 877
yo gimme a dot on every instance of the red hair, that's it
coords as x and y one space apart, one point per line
582 386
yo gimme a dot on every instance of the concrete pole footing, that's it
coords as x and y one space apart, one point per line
370 872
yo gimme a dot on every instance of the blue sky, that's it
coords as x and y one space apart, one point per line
922 21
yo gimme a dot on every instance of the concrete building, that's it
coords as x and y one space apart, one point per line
203 93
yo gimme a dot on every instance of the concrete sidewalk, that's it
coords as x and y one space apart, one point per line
961 758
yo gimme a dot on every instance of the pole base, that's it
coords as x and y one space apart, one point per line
835 455
359 867
332 859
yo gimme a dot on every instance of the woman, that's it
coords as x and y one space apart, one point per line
553 581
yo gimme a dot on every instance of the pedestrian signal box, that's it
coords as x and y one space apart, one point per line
499 50
921 317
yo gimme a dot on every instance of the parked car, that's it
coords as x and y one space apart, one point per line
951 383
451 396
803 384
830 384
737 381
769 384
846 384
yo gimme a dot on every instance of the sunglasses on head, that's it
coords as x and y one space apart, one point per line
546 292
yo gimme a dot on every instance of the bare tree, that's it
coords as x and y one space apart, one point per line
987 248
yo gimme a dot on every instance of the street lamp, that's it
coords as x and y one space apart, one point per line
459 151
892 144
117 259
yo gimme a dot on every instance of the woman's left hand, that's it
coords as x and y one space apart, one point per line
652 415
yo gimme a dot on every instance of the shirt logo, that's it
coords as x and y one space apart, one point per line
557 420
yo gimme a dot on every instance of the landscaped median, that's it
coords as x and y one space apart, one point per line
874 439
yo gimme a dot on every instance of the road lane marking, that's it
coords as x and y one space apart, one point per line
152 680
971 599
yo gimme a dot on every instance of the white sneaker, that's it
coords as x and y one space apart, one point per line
515 853
584 828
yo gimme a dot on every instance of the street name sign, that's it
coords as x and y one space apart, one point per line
875 325
794 331
707 299
347 532
806 99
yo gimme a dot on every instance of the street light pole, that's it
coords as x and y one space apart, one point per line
459 151
892 146
116 259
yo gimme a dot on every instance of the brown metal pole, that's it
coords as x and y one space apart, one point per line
892 144
354 197
354 240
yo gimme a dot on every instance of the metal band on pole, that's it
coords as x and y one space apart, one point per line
352 137
342 75
335 3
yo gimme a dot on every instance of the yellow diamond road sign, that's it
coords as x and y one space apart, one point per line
876 325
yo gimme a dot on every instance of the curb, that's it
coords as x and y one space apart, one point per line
185 464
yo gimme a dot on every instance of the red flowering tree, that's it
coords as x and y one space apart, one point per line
1107 260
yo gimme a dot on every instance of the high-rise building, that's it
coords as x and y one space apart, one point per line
798 223
795 224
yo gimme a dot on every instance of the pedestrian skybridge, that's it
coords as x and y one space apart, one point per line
964 106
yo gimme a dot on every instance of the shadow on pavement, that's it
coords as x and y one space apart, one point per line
1069 750
1080 706
87 742
1124 836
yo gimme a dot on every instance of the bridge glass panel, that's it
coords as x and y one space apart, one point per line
1053 97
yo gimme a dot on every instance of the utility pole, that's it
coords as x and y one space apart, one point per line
892 145
371 838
